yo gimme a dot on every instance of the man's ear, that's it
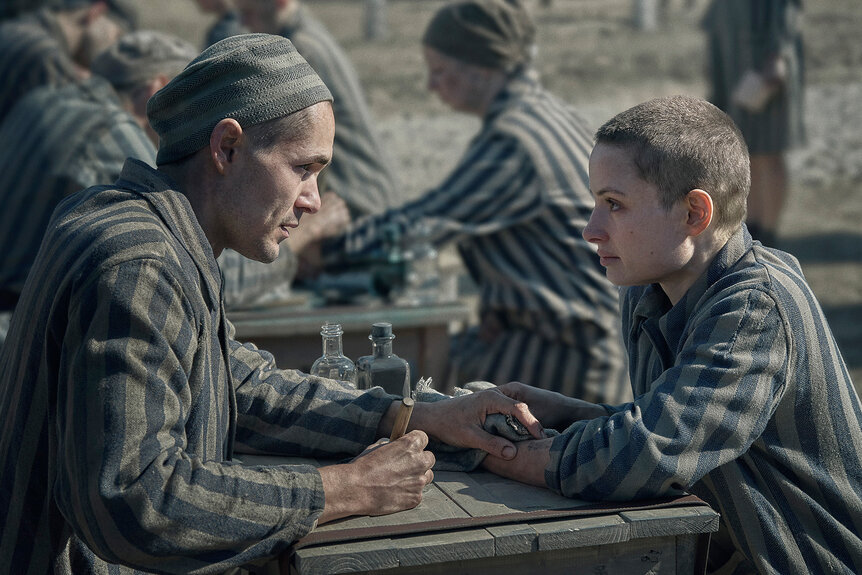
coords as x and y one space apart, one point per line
224 141
700 211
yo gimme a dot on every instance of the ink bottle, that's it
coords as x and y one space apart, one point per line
383 368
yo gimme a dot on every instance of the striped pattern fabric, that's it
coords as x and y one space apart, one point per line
359 172
54 142
125 396
742 398
742 35
252 78
32 54
516 205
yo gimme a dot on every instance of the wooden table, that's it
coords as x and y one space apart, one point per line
478 523
292 333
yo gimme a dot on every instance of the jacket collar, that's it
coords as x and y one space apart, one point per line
176 212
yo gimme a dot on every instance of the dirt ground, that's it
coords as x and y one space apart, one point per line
591 55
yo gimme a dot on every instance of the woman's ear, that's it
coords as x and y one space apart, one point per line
700 211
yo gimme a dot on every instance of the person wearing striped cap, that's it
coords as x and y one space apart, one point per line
53 42
123 393
514 206
58 140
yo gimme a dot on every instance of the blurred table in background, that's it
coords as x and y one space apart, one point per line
292 332
481 524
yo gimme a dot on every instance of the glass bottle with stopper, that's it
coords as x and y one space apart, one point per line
383 367
333 364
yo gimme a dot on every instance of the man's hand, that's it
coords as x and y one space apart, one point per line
385 478
458 421
553 409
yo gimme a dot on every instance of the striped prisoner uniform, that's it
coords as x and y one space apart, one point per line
33 53
516 205
54 142
742 398
124 396
359 172
743 35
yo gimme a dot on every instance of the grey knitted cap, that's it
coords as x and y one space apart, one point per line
140 56
252 78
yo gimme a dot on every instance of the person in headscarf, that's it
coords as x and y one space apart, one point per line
124 395
514 206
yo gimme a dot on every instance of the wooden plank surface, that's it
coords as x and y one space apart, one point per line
651 541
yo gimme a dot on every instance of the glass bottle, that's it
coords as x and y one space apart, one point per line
382 367
422 282
333 364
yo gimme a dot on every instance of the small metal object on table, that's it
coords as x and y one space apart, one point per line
480 523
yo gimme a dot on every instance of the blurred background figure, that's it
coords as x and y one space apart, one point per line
54 42
227 21
359 176
756 74
360 172
58 140
515 206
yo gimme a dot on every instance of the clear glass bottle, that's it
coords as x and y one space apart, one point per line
333 363
382 367
422 282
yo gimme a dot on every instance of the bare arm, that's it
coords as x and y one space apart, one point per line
528 466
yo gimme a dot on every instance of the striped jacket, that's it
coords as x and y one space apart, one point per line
33 53
359 172
516 205
124 396
54 142
742 398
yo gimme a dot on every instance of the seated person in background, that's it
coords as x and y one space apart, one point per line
124 396
57 141
515 206
227 21
55 44
741 395
360 172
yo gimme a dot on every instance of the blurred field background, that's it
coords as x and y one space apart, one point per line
591 55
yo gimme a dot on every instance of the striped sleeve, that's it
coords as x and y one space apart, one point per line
125 481
703 410
494 187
